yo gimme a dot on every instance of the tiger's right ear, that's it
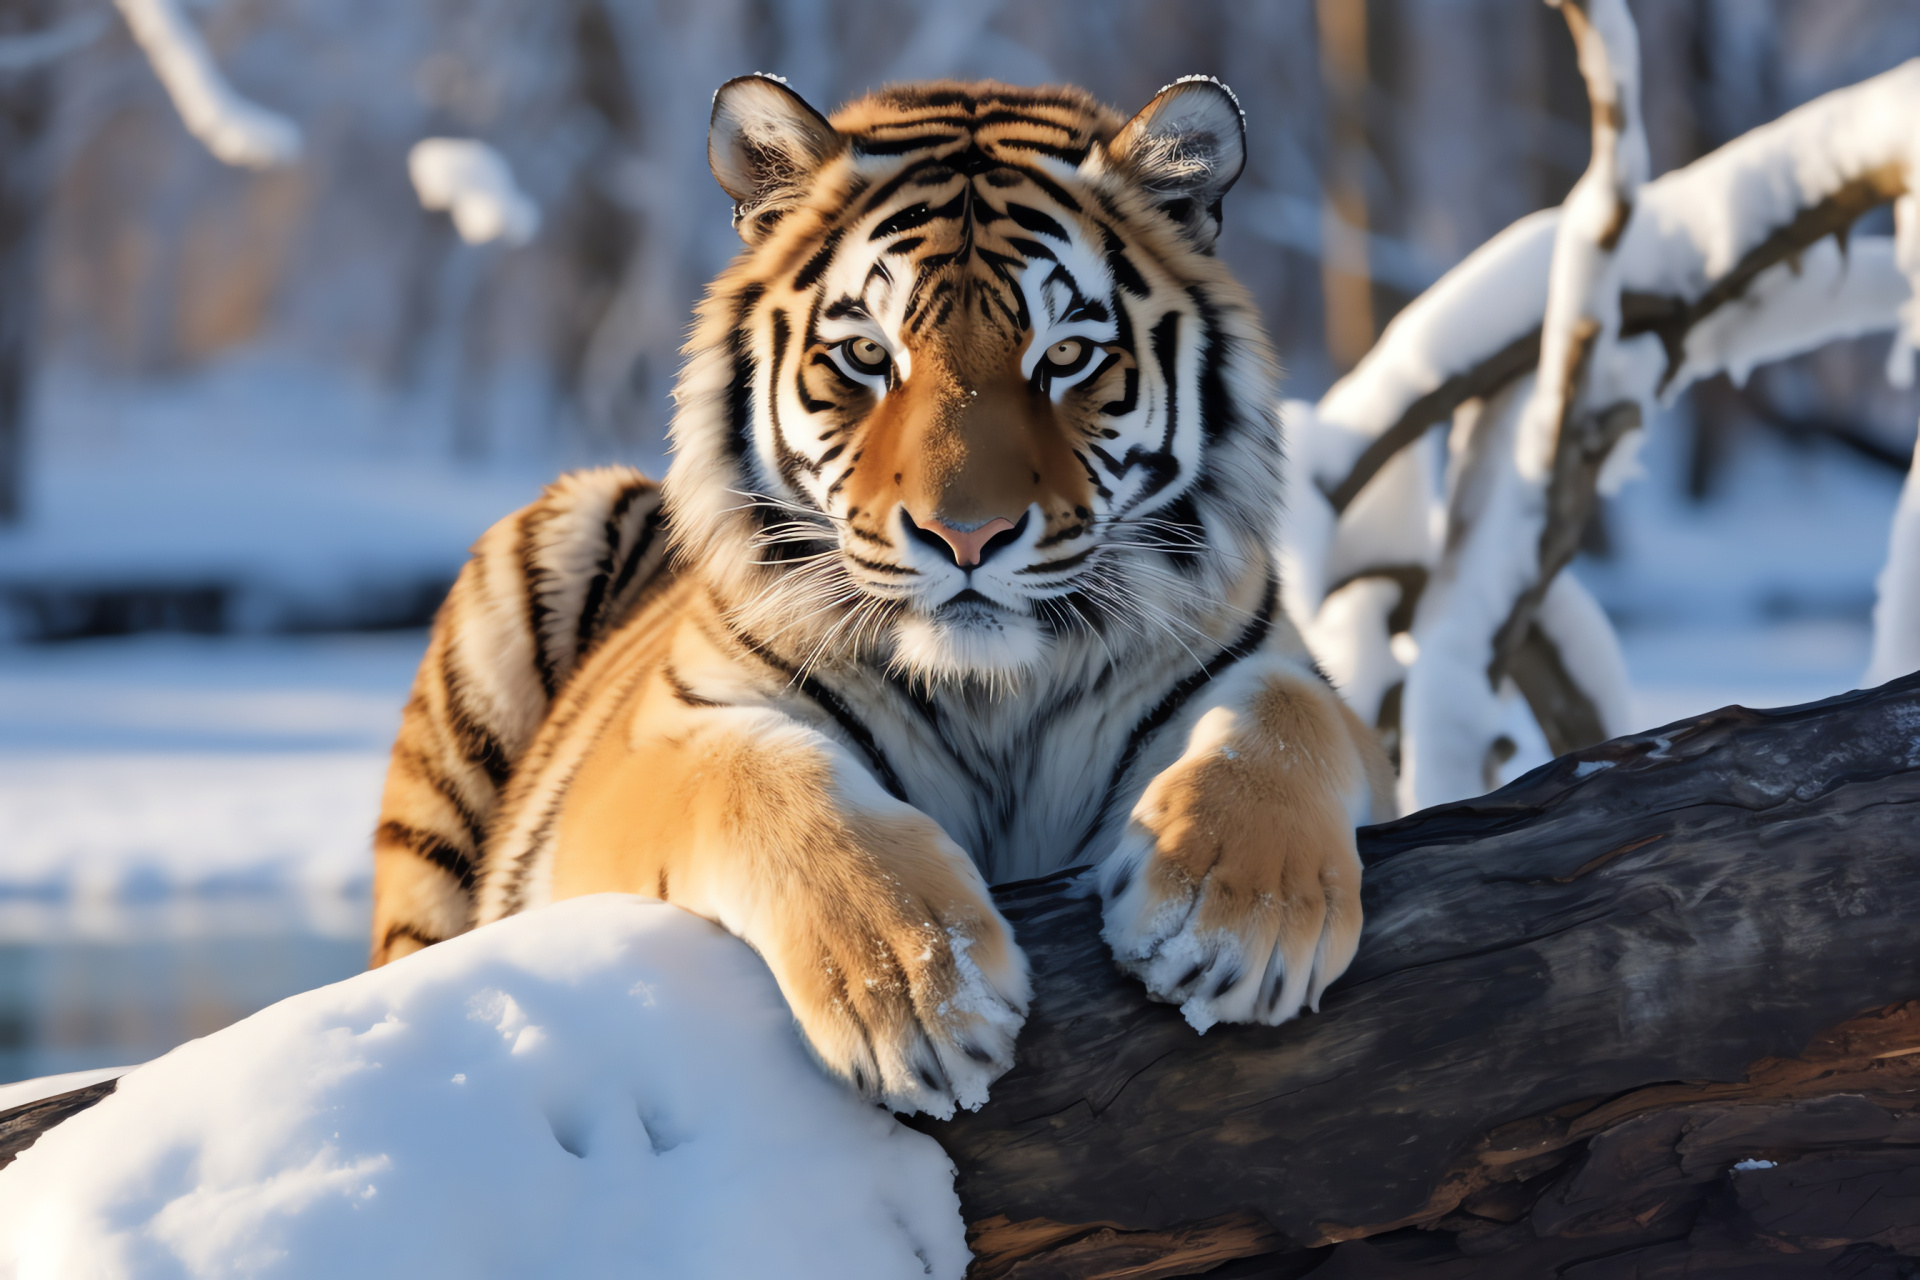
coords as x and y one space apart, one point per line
1186 148
764 143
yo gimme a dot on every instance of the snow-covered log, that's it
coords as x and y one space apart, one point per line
1651 1008
234 129
1740 258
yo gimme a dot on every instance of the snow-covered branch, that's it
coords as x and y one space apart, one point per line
1702 237
1740 258
235 130
1511 534
474 184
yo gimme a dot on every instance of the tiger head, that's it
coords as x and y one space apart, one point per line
977 394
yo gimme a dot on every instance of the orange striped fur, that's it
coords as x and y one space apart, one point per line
962 573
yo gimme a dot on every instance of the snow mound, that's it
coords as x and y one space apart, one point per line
609 1086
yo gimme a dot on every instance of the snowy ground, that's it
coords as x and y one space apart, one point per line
609 1087
183 833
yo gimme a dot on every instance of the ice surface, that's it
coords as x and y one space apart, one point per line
606 1087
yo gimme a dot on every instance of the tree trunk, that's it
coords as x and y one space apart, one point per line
26 108
1645 1012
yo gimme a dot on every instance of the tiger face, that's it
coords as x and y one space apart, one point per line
976 398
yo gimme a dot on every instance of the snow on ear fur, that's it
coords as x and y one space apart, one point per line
1186 148
764 143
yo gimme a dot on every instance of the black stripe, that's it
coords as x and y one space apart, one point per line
449 791
829 701
1183 535
885 191
1250 640
684 694
517 881
877 566
919 215
406 931
473 739
900 146
1165 340
1218 413
1061 196
1031 219
430 847
1072 155
1125 274
740 389
649 529
603 569
1130 380
533 577
788 460
818 263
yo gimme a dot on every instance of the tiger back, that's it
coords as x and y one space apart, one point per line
962 572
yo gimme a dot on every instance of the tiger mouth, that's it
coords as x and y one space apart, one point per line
969 606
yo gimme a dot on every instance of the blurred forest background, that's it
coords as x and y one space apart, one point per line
248 404
273 330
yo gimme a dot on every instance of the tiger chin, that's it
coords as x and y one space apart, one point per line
962 574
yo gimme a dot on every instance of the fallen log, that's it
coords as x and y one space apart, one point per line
1643 1012
1648 1011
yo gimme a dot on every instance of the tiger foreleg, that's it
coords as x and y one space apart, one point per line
903 976
1234 891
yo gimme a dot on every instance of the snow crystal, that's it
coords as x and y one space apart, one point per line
472 182
609 1086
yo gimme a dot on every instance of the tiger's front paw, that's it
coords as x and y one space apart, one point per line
916 1003
1235 890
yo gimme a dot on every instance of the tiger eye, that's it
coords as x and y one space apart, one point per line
867 355
1065 353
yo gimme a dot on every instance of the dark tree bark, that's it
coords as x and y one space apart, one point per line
1581 1005
1578 1003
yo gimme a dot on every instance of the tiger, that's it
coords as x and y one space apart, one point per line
962 573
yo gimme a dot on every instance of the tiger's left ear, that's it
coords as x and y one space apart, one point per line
1186 148
764 144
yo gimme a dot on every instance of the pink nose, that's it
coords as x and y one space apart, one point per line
967 544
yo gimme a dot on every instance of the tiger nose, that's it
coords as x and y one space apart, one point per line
968 547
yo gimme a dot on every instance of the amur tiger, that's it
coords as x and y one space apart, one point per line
961 574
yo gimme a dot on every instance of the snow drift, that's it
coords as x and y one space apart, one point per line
609 1086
